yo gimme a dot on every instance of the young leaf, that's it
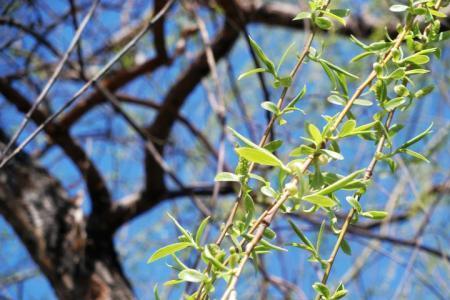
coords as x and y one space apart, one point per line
301 235
394 103
338 69
155 293
346 247
283 57
320 235
354 203
414 154
314 133
243 139
347 128
323 23
398 8
339 184
332 154
270 106
321 289
192 275
273 145
376 215
320 200
201 229
336 99
168 250
251 72
417 138
302 15
260 156
363 102
227 176
262 56
182 230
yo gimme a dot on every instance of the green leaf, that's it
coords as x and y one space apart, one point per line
397 74
270 106
302 15
251 72
243 139
375 214
346 247
341 12
227 176
155 293
192 275
347 128
283 57
417 138
262 56
168 250
414 154
302 150
249 204
321 289
269 191
332 154
301 235
398 8
354 203
173 282
183 231
273 145
260 156
363 102
394 103
336 99
320 200
338 69
339 184
424 91
417 59
320 235
323 23
201 229
314 133
329 73
333 16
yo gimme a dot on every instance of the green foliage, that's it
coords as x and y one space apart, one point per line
303 184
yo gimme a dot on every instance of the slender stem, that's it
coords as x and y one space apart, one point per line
367 175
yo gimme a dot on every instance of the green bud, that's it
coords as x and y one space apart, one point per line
401 90
378 68
291 188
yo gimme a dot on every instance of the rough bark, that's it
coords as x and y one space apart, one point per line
78 259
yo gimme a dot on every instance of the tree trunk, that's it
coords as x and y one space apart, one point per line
76 256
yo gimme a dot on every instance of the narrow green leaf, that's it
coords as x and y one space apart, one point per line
336 99
192 275
155 293
301 235
341 183
363 102
168 250
376 215
346 247
354 203
320 235
332 154
227 176
251 72
418 137
260 156
415 154
320 200
339 69
273 145
243 139
183 231
285 54
262 56
201 229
